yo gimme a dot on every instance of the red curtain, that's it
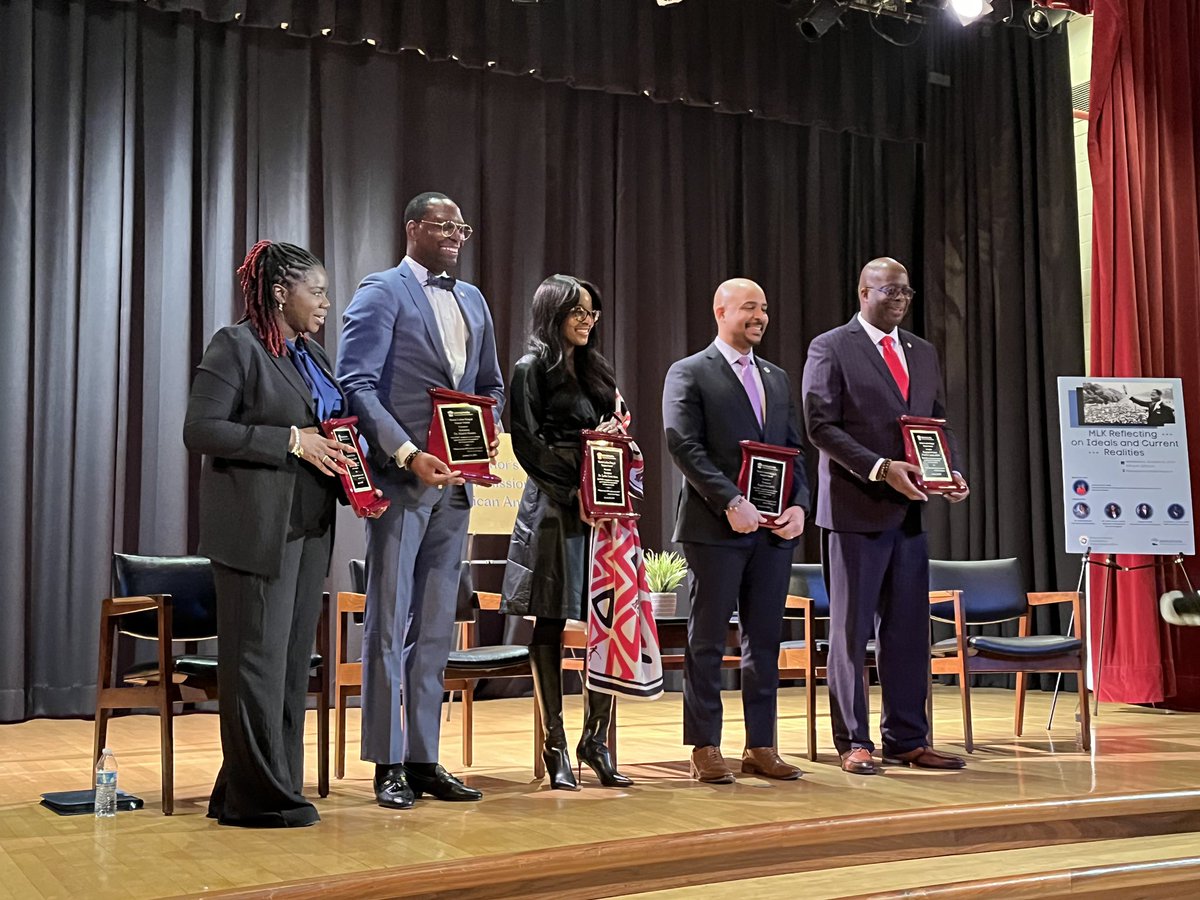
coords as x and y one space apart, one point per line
1144 149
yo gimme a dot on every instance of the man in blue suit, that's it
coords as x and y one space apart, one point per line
712 400
406 330
859 380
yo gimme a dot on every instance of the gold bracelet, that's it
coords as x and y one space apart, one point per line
296 449
734 505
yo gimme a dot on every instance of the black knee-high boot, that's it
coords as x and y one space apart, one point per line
592 748
546 662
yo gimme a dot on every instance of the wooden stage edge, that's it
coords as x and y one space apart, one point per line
614 868
1167 878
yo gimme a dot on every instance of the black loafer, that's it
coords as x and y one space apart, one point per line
440 785
392 790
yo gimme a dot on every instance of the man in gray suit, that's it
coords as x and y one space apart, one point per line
859 380
712 400
408 329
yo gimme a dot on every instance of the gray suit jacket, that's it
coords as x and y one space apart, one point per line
705 414
852 408
391 353
240 411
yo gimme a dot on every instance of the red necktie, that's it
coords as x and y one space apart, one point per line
893 362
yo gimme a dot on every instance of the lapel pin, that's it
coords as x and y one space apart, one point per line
766 370
908 345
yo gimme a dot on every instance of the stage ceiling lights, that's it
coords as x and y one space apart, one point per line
968 11
815 17
1040 21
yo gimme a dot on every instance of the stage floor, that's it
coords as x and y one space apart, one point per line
144 854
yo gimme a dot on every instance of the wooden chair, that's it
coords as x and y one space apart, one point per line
466 666
171 599
808 658
987 592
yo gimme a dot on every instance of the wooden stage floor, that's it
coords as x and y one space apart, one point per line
1135 799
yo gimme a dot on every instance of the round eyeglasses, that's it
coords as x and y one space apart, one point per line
448 228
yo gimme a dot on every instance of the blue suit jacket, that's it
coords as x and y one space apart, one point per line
705 414
391 353
852 408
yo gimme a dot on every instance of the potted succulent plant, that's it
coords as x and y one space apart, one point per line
665 571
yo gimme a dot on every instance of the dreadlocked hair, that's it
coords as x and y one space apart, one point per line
267 264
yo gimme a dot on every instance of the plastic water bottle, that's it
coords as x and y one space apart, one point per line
106 785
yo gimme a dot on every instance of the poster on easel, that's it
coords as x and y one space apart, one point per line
1126 483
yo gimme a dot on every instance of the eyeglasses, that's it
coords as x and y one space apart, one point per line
579 313
895 291
448 228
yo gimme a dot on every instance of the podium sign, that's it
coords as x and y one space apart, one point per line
925 446
461 431
604 475
766 477
356 480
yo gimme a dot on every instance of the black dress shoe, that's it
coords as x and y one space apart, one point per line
438 783
392 790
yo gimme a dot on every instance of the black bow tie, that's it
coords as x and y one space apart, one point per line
445 282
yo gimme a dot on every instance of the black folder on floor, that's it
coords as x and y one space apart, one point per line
78 803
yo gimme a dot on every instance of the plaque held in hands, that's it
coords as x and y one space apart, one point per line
461 432
356 480
604 475
766 478
925 446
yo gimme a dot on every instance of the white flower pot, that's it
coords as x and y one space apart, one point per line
663 604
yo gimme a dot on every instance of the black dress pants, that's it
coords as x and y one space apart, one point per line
266 629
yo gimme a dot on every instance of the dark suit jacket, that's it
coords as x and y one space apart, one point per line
851 408
705 414
1156 413
242 406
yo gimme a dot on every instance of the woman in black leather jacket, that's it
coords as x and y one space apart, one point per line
561 386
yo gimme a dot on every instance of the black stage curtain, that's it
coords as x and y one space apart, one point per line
144 151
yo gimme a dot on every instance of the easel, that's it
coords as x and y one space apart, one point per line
1111 568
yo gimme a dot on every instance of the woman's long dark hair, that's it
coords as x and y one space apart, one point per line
552 302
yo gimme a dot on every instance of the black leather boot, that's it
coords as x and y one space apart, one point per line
592 749
546 662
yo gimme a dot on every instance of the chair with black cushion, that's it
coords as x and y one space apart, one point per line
808 658
989 592
170 600
465 667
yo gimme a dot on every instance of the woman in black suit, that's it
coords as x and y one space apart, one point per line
267 500
561 386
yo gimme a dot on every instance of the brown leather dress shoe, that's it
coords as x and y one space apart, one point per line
926 758
708 765
765 761
859 762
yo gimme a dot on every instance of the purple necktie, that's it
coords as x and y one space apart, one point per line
751 387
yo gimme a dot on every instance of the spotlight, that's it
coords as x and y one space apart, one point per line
1040 22
968 11
819 17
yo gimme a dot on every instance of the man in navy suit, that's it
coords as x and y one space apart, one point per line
712 400
406 330
858 381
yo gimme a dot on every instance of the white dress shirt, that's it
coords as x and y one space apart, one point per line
451 327
877 336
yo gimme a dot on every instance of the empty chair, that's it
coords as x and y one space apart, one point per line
986 592
170 600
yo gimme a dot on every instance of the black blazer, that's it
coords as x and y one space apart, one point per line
240 412
705 414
